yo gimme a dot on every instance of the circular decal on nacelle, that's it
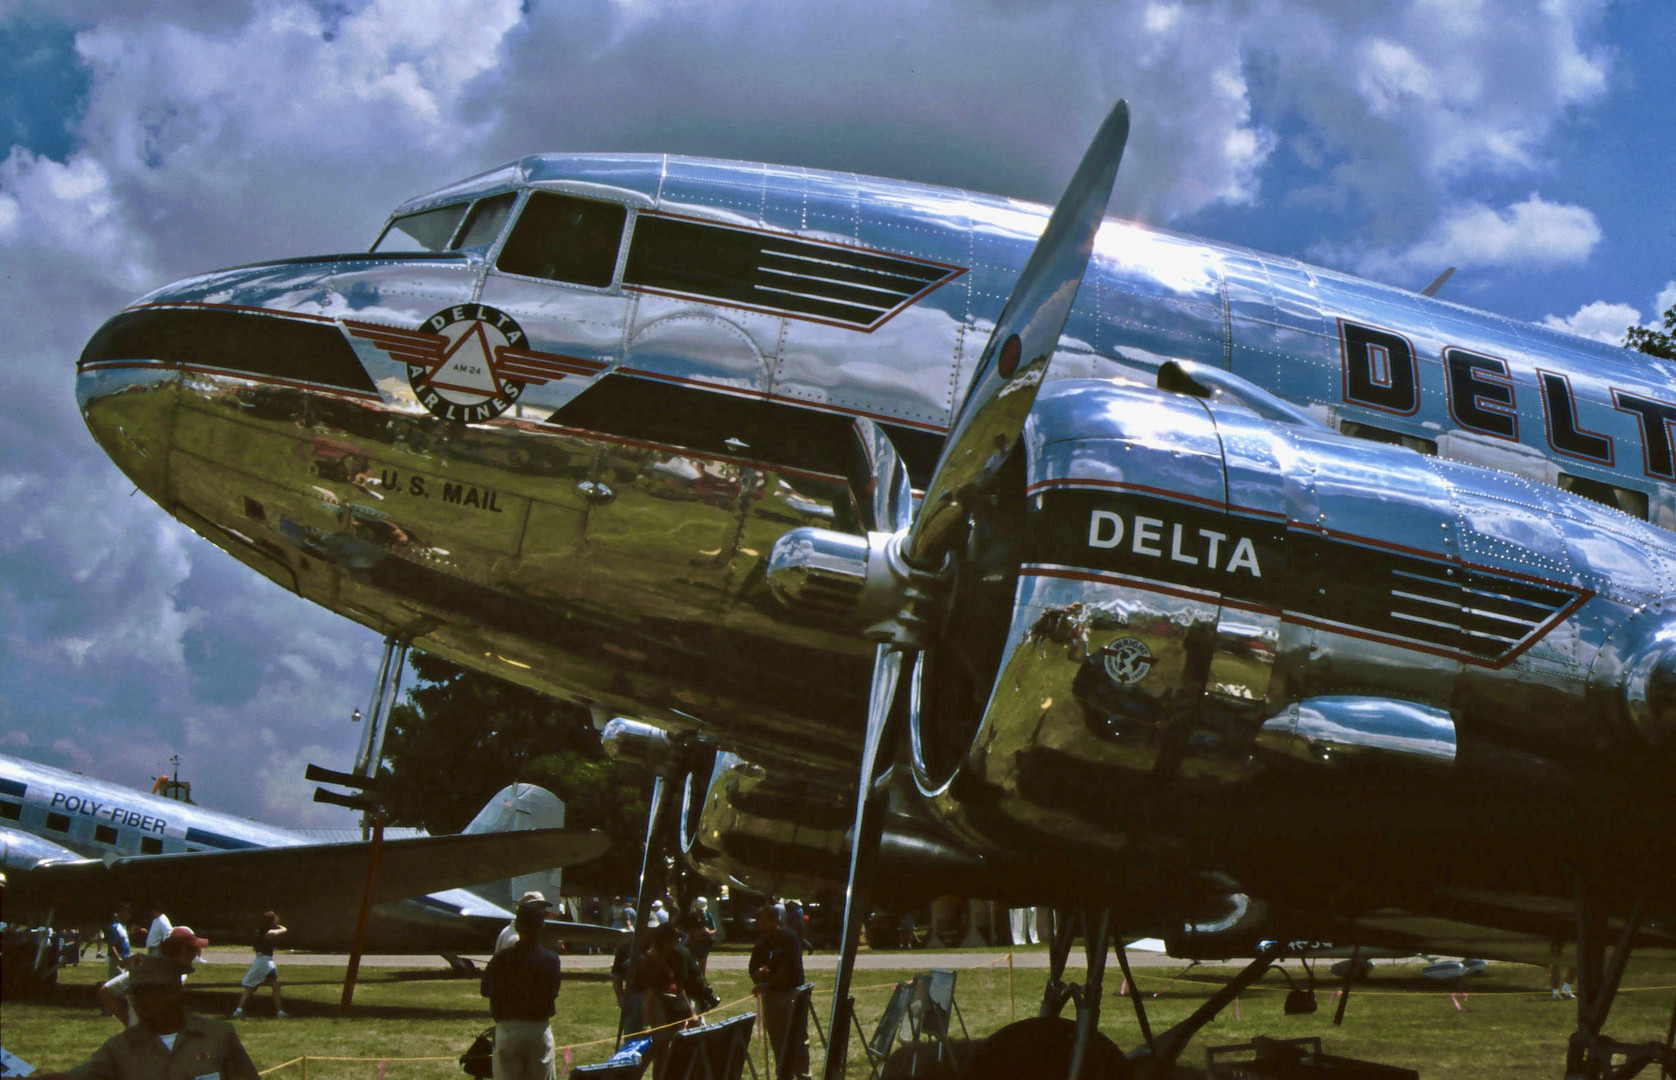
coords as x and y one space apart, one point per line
463 380
1127 661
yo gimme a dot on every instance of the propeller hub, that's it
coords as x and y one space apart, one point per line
864 582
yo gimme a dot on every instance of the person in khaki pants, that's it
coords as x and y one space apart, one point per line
521 984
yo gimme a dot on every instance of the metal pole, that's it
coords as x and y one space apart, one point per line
383 700
364 753
363 915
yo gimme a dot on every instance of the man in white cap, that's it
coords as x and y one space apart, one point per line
509 936
657 916
521 984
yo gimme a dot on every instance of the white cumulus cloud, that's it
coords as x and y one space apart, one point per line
1599 321
1533 234
1607 321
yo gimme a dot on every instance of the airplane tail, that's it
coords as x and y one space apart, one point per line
519 808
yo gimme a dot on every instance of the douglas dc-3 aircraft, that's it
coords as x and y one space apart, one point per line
75 847
1238 598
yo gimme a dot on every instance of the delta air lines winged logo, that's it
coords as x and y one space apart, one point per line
469 362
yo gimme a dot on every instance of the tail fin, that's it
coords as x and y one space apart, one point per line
518 808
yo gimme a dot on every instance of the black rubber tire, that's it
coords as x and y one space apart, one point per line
1040 1049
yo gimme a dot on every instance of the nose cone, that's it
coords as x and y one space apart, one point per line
139 367
129 407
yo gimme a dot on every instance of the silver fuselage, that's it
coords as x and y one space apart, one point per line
567 465
50 815
602 539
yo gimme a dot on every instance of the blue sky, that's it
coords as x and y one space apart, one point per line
1528 144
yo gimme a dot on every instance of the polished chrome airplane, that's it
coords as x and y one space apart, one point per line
75 847
1210 567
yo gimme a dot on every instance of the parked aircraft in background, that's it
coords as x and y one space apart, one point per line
75 847
1207 566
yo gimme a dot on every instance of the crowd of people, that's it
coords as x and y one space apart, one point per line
145 995
661 983
660 978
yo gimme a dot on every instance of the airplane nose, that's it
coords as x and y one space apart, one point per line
129 408
132 374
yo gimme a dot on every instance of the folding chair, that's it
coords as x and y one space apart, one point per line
933 992
890 1024
713 1052
628 1063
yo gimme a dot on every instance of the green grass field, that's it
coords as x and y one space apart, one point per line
1505 1025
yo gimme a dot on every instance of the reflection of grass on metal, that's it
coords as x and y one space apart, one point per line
1502 1024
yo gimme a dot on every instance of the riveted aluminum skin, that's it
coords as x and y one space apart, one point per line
1215 609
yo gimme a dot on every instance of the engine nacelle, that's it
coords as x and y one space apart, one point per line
21 852
1236 644
789 837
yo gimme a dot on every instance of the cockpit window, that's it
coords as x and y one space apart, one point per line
484 222
563 238
428 230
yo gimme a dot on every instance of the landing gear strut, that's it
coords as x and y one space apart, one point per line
1592 1053
1050 1046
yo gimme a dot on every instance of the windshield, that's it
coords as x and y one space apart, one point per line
428 230
484 223
460 226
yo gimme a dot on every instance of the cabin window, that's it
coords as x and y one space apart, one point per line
428 230
1630 501
150 845
563 238
1390 438
104 834
11 811
58 823
483 224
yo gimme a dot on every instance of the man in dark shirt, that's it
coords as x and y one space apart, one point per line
622 982
777 970
521 983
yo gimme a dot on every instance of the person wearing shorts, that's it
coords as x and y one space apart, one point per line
262 967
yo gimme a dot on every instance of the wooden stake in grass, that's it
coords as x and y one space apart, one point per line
361 918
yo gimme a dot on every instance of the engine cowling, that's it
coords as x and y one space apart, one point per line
21 852
787 836
1234 641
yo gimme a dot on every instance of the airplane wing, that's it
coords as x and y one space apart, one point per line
198 887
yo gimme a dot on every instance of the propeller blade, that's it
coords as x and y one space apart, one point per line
879 480
1016 358
864 844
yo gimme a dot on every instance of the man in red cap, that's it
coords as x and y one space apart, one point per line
165 1041
180 947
